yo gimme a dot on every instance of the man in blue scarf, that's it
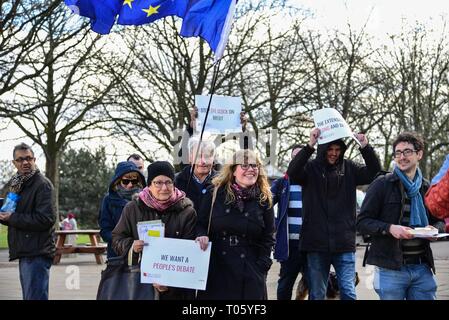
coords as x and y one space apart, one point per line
393 206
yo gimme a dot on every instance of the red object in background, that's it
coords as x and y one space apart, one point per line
437 198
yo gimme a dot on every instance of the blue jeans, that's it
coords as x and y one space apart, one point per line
412 282
34 277
290 269
318 267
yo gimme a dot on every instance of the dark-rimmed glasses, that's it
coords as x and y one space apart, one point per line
406 153
159 184
22 159
246 166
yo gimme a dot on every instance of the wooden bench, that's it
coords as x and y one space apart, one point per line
95 247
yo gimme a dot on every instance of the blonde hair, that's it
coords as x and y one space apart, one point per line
226 177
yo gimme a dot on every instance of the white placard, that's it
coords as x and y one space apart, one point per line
150 228
332 126
175 263
224 114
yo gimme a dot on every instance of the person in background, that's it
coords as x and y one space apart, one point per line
69 223
184 152
31 225
241 230
138 161
394 205
126 182
287 195
161 200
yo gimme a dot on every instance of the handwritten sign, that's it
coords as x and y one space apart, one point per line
224 114
332 126
175 263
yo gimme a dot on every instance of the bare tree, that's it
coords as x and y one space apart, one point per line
417 71
168 70
20 22
70 85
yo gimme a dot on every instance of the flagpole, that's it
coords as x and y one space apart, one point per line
211 93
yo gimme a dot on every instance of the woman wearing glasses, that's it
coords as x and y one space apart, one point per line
240 227
126 182
159 201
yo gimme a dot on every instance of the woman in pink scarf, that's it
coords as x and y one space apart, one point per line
161 200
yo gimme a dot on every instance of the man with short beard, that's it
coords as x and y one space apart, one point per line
31 226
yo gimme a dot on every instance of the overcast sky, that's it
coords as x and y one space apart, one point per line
385 16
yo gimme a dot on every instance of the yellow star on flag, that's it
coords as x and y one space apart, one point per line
129 3
151 10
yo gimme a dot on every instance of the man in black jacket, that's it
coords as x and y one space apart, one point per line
329 210
31 225
392 207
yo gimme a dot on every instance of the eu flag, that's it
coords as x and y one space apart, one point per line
208 19
138 12
101 13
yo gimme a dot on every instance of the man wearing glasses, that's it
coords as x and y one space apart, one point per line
393 206
31 226
329 210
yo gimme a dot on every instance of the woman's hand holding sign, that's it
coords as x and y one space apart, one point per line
138 246
204 242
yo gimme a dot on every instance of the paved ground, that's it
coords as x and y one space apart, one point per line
78 278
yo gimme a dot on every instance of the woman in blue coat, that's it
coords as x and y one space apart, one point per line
126 182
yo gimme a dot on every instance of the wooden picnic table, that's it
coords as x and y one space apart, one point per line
94 247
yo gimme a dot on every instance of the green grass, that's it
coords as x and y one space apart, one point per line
3 237
82 239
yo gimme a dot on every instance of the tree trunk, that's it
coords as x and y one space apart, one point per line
52 173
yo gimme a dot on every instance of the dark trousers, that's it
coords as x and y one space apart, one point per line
34 277
290 269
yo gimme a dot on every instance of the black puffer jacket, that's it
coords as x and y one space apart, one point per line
329 196
382 207
31 227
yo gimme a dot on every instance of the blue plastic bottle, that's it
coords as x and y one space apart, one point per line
10 202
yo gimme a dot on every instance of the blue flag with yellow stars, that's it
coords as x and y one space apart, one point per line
208 19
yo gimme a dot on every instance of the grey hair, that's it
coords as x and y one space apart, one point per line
205 145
